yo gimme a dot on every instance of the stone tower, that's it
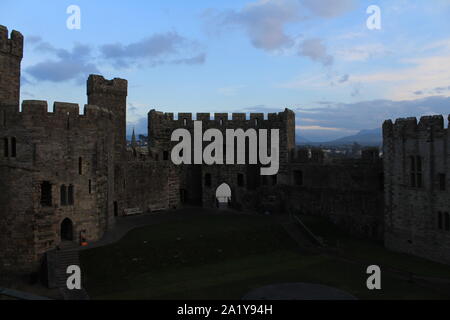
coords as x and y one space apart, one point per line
111 95
11 53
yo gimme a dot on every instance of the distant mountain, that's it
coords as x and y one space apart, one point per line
301 140
372 137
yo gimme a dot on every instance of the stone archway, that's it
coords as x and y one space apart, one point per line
223 196
66 230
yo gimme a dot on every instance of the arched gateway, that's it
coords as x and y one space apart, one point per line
223 195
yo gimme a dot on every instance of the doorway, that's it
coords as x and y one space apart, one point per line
223 196
67 230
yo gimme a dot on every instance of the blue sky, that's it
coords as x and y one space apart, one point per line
315 57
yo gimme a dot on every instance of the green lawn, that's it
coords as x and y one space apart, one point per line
373 252
221 257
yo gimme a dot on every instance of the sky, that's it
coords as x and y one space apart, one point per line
316 57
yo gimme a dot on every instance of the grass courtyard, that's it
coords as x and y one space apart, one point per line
225 256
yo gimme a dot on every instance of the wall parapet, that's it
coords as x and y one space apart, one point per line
411 127
13 45
237 117
98 84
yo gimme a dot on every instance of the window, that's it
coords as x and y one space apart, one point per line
256 122
6 147
274 180
13 147
166 155
442 178
63 195
70 195
447 221
208 180
221 122
298 177
264 180
46 194
185 122
381 180
440 220
240 180
80 166
415 171
90 186
34 152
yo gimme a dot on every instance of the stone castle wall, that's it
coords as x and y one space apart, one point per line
348 193
62 148
417 196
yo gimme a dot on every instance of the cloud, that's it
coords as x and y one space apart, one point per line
263 21
420 74
328 8
370 114
68 65
230 90
316 50
362 52
344 78
157 49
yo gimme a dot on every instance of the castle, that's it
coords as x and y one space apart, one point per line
66 176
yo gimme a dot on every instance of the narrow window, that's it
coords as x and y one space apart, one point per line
166 155
70 195
208 180
447 221
442 185
381 180
90 186
116 209
274 180
34 152
412 171
221 122
46 194
63 195
240 180
264 180
256 122
298 177
3 120
185 122
80 166
6 147
440 224
419 171
416 171
13 147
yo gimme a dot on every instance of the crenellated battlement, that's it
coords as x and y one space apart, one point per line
13 45
254 119
35 114
410 126
98 84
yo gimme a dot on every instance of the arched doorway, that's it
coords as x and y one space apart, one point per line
223 196
67 230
